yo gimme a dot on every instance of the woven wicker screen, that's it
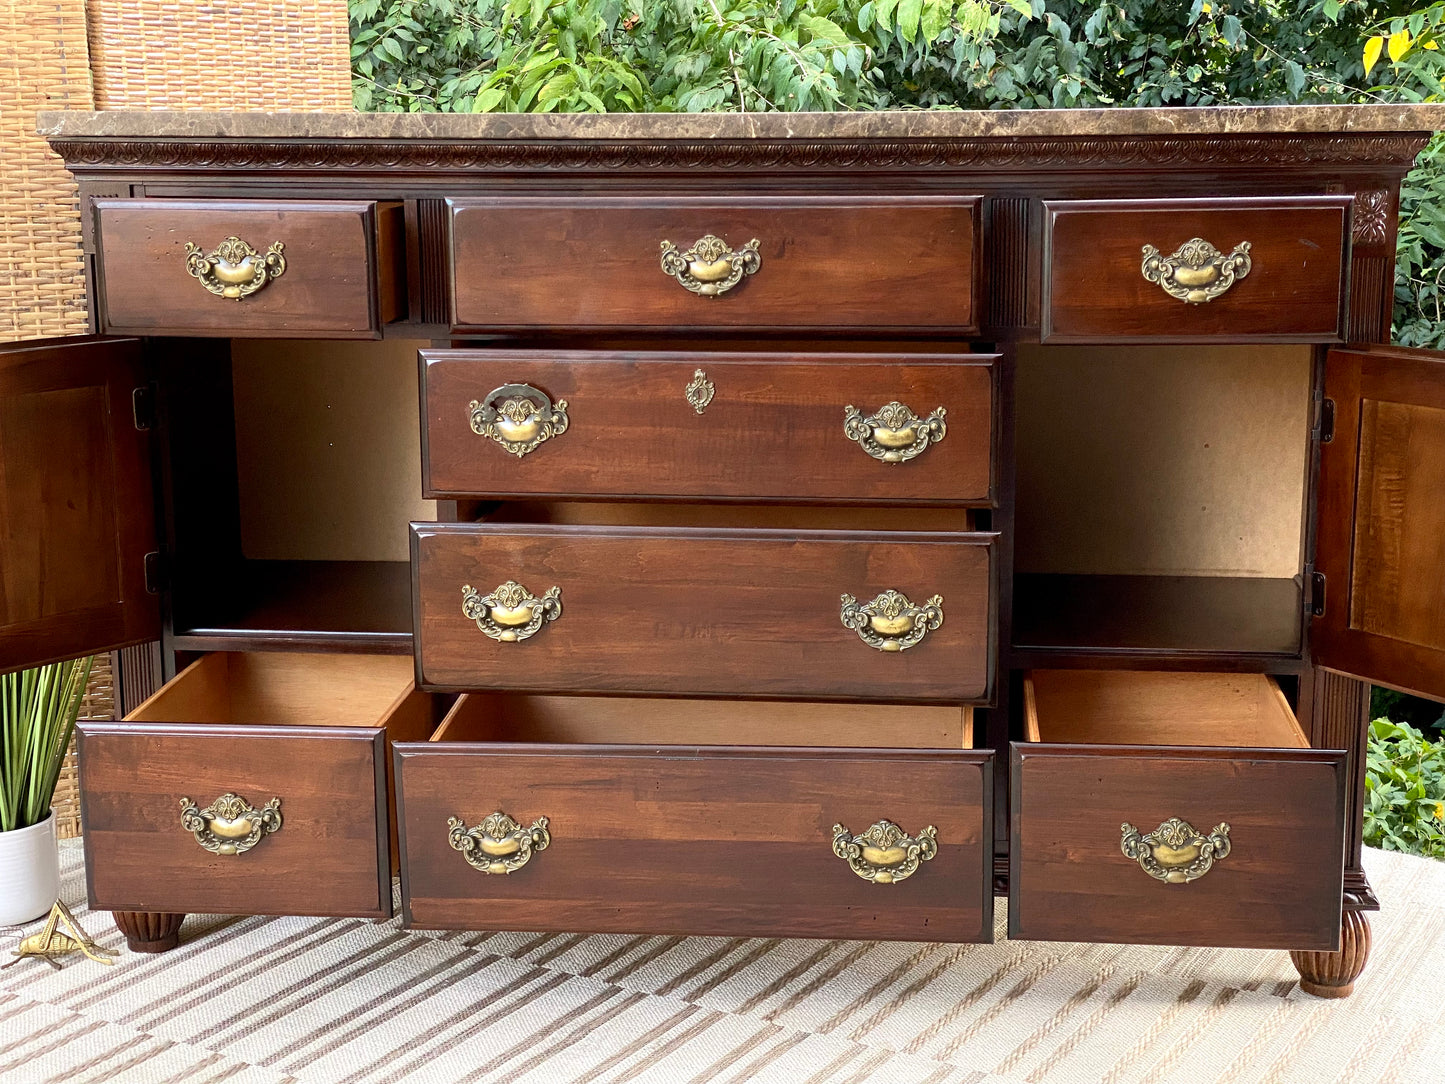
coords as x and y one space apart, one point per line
43 65
246 55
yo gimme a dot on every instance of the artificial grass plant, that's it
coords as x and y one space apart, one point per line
38 708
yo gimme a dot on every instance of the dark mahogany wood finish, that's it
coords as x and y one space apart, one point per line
1279 887
772 431
693 611
900 263
76 513
1382 519
344 276
729 841
1094 290
331 855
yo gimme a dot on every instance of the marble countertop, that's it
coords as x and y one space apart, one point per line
919 124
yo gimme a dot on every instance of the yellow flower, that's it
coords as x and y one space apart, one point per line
1440 811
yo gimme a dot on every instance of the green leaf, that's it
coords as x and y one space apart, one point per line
909 14
393 48
1231 29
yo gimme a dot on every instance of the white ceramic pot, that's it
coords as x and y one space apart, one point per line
29 872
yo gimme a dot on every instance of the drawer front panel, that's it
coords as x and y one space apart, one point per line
900 262
1293 288
1279 885
770 428
343 273
330 855
709 612
732 842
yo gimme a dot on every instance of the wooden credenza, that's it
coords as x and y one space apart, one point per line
747 525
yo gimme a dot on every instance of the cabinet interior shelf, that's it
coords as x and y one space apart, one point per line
339 605
1228 615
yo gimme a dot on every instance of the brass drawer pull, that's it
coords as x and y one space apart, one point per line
893 433
1174 852
891 622
230 824
710 268
499 844
518 417
885 854
1197 271
233 268
511 613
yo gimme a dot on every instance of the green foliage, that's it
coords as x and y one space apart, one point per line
1403 708
1404 790
627 55
37 715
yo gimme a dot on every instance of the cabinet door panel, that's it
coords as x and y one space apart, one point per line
76 512
1382 519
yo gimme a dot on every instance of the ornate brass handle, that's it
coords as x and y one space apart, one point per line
499 844
230 824
233 268
511 612
518 417
885 854
710 268
891 622
1174 852
1197 271
893 433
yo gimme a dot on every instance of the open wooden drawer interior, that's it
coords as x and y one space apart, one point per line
252 783
1173 808
724 817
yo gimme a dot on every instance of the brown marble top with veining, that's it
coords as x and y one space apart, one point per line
920 124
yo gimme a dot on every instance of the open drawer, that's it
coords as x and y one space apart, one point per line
812 603
698 817
253 783
1173 808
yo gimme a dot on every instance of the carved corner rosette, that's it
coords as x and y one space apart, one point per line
884 853
230 825
893 433
891 622
519 417
499 844
1175 852
510 613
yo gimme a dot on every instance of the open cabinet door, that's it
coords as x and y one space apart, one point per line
76 511
1381 543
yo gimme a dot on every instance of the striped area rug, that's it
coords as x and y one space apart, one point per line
324 1001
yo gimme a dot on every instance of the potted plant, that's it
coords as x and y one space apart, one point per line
38 709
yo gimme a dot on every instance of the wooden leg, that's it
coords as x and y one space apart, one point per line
1333 974
149 931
